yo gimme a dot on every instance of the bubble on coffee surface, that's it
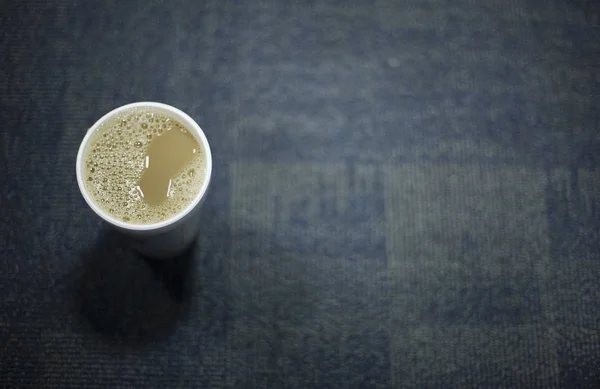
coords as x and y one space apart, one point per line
115 161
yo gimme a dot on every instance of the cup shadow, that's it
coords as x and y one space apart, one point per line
129 299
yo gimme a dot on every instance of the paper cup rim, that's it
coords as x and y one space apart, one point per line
177 114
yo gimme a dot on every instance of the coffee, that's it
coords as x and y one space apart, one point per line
143 166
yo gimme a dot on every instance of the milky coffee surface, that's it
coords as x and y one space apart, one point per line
143 166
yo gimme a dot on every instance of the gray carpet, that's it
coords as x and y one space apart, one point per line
406 194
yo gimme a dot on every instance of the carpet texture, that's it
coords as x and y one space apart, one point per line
406 194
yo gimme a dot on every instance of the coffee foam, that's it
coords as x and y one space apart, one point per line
114 162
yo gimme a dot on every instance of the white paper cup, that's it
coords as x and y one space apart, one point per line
172 236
